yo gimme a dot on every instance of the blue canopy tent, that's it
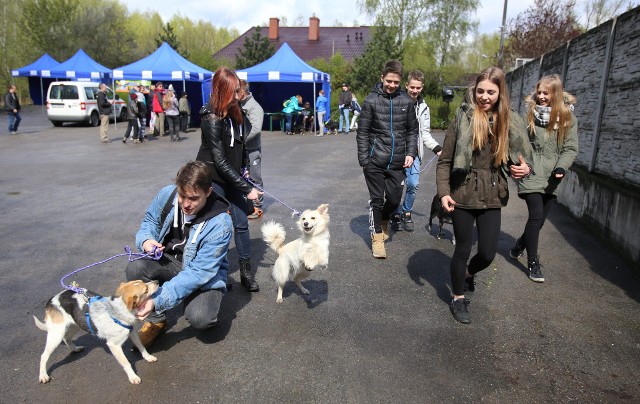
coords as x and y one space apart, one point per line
81 67
280 77
166 65
36 73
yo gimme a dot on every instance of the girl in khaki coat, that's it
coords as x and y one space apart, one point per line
553 132
483 144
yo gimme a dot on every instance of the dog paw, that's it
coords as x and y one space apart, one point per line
134 379
77 348
151 358
44 378
453 241
305 291
439 236
279 300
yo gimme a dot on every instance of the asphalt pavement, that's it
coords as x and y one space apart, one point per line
370 331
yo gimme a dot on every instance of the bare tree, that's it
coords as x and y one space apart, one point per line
599 11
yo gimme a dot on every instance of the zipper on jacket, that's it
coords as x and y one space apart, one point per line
393 136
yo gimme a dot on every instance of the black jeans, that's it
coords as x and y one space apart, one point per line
538 206
385 191
132 127
200 308
487 223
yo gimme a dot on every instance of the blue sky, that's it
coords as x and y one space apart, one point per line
242 15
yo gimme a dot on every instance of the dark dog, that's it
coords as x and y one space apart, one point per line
443 217
332 127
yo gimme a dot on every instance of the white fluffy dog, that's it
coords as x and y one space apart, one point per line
299 257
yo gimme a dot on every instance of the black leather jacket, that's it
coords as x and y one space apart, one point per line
224 151
387 129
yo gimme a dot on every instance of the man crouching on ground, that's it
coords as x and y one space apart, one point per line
191 225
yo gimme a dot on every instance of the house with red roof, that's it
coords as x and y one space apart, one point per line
312 42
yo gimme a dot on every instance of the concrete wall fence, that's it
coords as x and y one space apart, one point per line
602 69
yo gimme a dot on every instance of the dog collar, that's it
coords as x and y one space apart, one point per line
88 317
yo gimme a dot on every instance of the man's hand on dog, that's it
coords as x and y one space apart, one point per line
145 309
448 204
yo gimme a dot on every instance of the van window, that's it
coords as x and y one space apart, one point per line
91 92
62 92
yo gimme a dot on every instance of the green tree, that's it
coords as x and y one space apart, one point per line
384 46
167 35
145 28
48 26
408 16
202 39
255 49
451 22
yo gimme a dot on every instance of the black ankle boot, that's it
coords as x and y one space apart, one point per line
246 278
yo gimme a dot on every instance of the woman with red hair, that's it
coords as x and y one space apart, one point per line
224 130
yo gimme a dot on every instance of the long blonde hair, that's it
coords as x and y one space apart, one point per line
561 104
481 127
167 100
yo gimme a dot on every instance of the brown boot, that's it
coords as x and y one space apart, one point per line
150 331
385 229
377 245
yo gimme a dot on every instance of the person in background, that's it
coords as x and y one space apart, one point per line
292 107
484 143
12 106
253 143
104 109
170 106
158 102
414 86
553 132
185 112
224 131
307 117
142 111
355 107
152 99
188 222
132 118
386 141
321 109
344 105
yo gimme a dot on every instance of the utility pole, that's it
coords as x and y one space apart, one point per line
503 28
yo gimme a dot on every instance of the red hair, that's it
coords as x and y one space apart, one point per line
223 94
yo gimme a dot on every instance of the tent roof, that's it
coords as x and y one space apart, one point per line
283 66
41 67
80 66
163 64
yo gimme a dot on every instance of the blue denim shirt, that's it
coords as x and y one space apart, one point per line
204 262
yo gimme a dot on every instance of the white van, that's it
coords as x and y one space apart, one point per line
76 101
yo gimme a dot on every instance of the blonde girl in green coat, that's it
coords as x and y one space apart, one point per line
553 132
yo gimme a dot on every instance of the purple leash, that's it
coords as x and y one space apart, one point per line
250 181
154 255
428 164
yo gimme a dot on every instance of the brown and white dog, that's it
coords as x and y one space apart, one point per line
111 318
299 257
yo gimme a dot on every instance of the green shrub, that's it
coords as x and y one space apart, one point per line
442 112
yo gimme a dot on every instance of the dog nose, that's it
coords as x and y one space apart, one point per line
305 224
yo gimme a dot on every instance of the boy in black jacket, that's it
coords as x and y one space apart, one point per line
387 144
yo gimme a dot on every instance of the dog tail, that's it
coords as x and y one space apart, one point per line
40 324
273 234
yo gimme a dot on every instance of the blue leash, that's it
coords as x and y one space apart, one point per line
154 255
428 164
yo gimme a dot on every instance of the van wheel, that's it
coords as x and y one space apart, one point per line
94 119
57 124
123 115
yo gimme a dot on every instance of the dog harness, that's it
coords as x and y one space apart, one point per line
88 317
